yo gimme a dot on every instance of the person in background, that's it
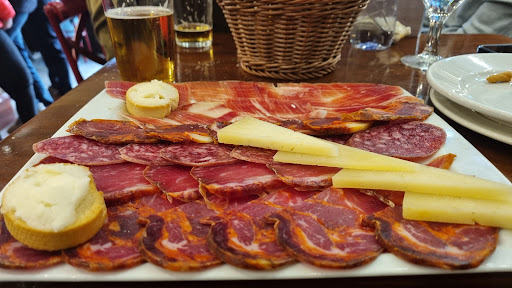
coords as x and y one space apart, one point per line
15 77
39 36
481 17
478 17
23 8
99 22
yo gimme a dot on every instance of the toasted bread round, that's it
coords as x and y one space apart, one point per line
54 225
155 99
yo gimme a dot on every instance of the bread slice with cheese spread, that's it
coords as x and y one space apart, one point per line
155 99
53 206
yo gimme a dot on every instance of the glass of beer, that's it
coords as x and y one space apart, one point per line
193 23
142 33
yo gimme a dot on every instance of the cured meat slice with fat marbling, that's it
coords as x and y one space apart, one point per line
304 177
181 133
117 89
242 237
409 140
175 181
237 179
325 230
147 154
197 155
176 239
79 150
253 154
115 246
443 245
122 182
110 131
15 255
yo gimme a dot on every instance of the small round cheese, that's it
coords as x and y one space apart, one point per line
155 99
53 206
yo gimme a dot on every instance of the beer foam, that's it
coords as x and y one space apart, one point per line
138 12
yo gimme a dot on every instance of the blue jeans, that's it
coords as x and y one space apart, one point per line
42 93
16 79
39 36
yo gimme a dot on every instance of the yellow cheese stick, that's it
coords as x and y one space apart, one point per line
428 180
449 209
257 133
349 157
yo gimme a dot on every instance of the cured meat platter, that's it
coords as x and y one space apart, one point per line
468 161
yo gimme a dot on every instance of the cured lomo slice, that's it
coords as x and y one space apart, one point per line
147 154
196 155
304 177
181 133
237 179
15 255
115 246
79 150
253 154
122 182
176 240
243 238
444 245
175 181
409 140
325 230
110 131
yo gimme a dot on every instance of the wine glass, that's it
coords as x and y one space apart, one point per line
437 11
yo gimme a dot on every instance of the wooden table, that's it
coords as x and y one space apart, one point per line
220 63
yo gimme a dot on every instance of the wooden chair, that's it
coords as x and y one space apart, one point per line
79 44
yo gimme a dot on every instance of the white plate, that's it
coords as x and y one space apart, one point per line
462 79
471 119
468 161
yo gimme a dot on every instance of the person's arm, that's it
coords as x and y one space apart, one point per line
6 14
481 17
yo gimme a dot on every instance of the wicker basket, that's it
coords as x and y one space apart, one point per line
290 39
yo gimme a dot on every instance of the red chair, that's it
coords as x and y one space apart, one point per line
79 44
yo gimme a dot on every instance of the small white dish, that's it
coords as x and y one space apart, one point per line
471 119
462 79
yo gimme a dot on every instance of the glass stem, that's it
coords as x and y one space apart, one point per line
434 32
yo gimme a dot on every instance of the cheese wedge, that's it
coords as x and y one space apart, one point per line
427 180
349 157
53 206
249 131
155 99
449 209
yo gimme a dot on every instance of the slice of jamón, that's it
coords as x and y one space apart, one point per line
175 181
444 245
237 179
326 229
122 182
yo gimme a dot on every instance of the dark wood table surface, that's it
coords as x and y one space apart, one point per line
220 63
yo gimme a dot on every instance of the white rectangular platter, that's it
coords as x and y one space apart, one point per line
468 161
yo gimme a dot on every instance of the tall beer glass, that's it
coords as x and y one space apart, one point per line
142 33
